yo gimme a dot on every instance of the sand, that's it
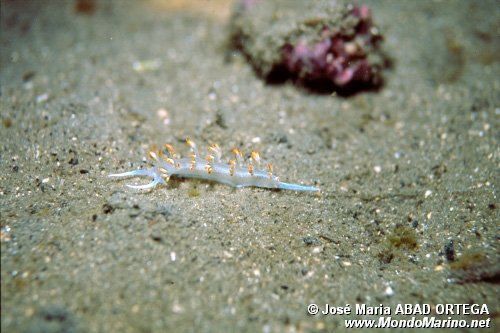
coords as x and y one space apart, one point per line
409 175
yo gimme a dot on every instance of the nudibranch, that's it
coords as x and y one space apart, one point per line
233 173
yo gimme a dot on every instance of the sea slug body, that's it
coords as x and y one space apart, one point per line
210 168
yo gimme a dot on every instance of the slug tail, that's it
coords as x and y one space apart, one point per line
295 187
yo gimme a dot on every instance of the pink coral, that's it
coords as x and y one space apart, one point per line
324 45
339 57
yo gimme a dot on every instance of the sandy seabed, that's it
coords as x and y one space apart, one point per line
409 174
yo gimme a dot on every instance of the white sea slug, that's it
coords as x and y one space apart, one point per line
210 168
